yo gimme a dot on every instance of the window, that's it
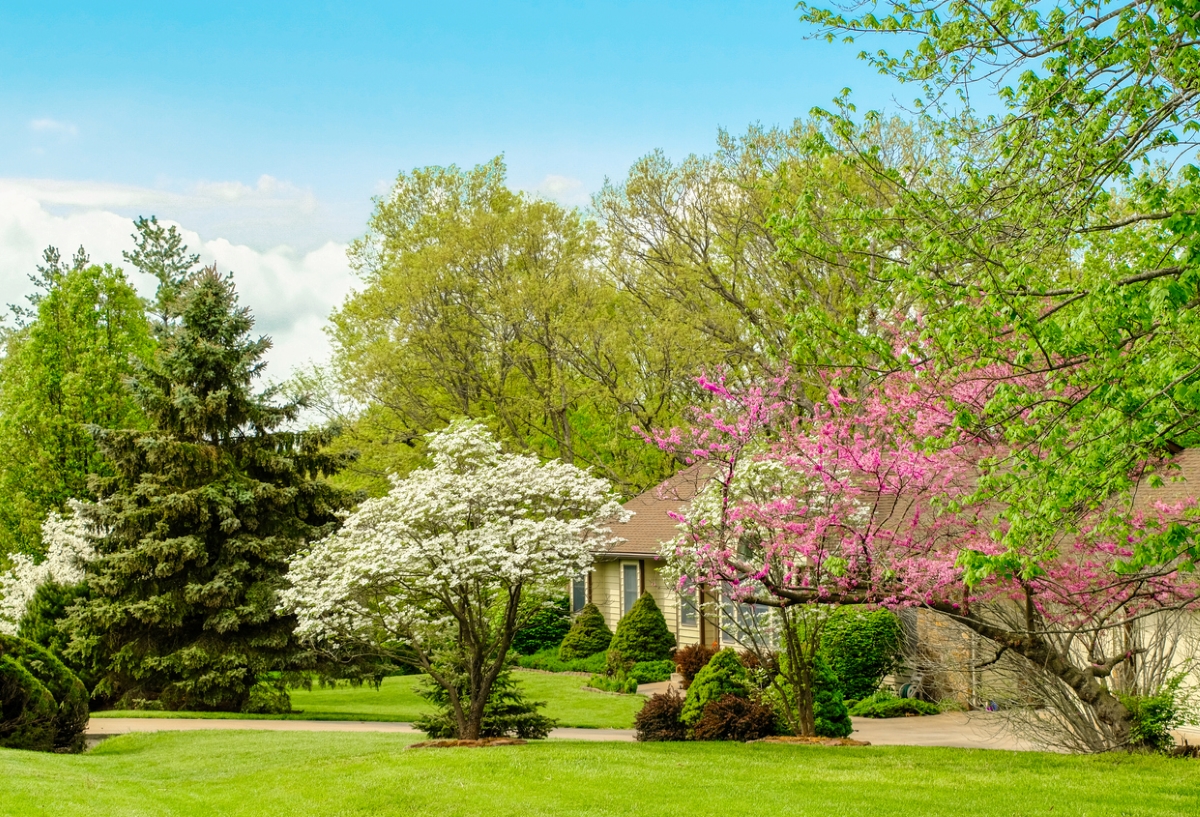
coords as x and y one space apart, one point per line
689 615
578 594
629 578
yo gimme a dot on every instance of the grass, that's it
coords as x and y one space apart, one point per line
299 774
396 700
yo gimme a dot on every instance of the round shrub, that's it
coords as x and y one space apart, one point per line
546 628
861 646
723 675
588 635
68 693
691 659
886 705
27 709
659 719
733 718
642 634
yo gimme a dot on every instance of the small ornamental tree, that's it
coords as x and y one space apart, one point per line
861 646
879 500
441 563
723 675
202 512
589 634
642 633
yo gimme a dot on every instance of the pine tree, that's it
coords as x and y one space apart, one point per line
203 512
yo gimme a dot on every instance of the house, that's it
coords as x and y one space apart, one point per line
951 655
631 565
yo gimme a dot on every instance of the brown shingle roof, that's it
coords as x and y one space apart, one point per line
652 524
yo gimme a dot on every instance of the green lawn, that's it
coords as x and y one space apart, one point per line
396 701
298 774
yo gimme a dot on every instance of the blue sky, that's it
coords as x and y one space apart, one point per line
268 127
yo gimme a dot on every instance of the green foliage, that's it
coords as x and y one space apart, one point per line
548 661
861 646
652 672
732 717
659 719
723 675
588 635
70 696
1152 717
27 709
619 681
204 507
884 704
64 368
44 624
507 713
830 716
642 633
545 628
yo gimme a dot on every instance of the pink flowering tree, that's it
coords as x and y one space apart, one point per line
884 499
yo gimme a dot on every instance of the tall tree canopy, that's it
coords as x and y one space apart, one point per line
64 368
200 514
1061 250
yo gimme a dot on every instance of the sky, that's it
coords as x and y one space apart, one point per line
264 130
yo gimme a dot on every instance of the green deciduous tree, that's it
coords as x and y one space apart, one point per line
202 511
64 368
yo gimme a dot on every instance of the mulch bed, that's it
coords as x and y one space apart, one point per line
815 741
451 743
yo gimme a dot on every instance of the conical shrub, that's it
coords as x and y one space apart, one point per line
588 635
723 675
642 634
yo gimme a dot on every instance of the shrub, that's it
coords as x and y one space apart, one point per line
652 672
268 699
883 704
1152 717
691 659
831 719
861 646
507 712
642 634
723 675
68 693
659 719
618 682
27 709
588 635
545 629
734 718
548 661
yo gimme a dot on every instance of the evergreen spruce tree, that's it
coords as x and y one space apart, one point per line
203 512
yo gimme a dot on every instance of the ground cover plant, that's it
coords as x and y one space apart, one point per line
884 704
245 773
397 700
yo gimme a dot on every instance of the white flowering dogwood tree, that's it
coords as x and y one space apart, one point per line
70 545
433 572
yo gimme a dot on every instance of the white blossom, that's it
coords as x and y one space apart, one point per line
69 547
477 524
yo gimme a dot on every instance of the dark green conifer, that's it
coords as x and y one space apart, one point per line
203 512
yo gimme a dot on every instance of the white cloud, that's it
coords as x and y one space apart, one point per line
564 190
63 130
290 290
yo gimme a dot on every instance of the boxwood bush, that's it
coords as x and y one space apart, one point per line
68 695
588 635
27 709
883 704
